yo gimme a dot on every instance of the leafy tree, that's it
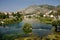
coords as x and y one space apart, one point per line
7 16
29 16
41 14
13 14
2 16
27 28
54 23
58 22
17 14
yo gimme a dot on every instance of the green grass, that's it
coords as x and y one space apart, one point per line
11 20
46 20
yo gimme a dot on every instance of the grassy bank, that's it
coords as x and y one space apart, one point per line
46 20
11 20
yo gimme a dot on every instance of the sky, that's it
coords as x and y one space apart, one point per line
14 5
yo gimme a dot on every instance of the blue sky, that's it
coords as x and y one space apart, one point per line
14 5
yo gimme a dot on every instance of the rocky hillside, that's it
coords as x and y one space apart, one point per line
39 8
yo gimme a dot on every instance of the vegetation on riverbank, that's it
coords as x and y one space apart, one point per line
13 18
19 36
46 20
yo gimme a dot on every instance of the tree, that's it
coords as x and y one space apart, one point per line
58 22
7 16
13 14
2 15
29 16
54 23
18 15
27 28
41 14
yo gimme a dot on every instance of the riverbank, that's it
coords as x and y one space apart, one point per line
11 20
16 33
46 20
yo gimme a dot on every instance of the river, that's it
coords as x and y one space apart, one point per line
40 29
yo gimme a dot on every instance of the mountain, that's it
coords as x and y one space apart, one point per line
47 6
38 8
32 9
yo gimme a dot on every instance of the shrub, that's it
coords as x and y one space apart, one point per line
27 28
